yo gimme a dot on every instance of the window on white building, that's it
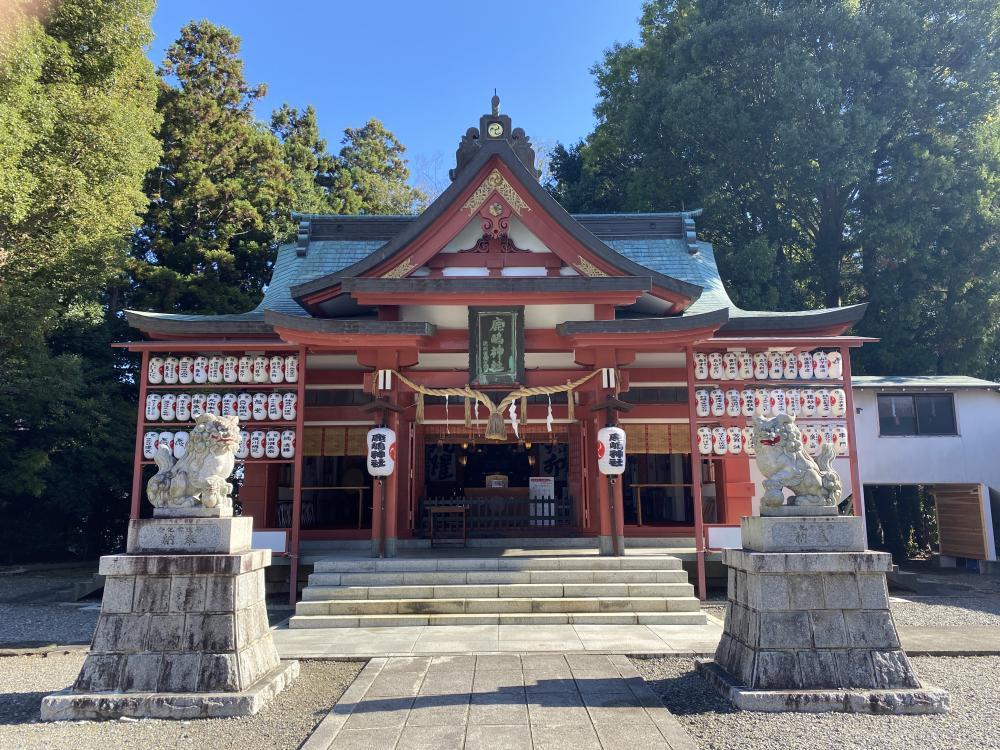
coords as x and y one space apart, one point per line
916 414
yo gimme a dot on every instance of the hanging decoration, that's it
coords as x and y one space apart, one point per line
447 427
513 419
495 428
548 416
381 451
611 450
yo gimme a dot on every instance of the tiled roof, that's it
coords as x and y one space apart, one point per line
663 252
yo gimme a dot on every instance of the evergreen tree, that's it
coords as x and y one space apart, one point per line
77 124
221 194
375 174
843 151
314 174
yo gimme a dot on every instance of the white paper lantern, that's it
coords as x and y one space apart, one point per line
180 444
244 371
288 406
260 369
170 365
807 402
704 441
824 406
153 402
257 444
748 441
185 370
288 443
230 369
155 372
199 369
730 366
719 441
745 365
611 450
748 402
198 401
778 403
168 407
732 402
276 369
792 403
715 368
700 366
215 369
762 402
821 366
259 408
805 365
791 369
840 439
244 407
838 402
718 402
760 366
165 440
701 399
149 444
381 451
775 365
836 365
243 449
734 440
213 404
274 406
272 444
292 368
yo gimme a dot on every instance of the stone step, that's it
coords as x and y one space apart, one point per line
518 590
481 577
459 564
495 605
554 618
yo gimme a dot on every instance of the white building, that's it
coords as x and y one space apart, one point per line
943 433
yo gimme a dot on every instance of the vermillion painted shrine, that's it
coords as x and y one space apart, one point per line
495 334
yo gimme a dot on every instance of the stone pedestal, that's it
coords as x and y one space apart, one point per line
808 626
183 631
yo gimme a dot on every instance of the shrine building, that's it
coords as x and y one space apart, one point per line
496 334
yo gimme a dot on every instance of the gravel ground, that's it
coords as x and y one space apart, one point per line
37 606
285 723
974 684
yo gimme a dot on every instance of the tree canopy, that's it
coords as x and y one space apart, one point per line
842 151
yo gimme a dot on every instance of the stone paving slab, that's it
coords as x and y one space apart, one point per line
500 702
471 639
667 640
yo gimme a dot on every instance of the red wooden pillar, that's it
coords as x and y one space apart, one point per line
699 521
852 444
300 417
139 419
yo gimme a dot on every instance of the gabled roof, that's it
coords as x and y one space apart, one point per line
447 202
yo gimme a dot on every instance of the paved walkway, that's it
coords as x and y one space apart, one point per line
471 639
499 702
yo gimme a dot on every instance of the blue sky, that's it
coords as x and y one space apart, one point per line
426 69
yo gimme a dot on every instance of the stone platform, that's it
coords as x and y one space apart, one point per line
808 626
179 635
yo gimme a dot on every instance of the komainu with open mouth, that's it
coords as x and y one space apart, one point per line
784 462
198 479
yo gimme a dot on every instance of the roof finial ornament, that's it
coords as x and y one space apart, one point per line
495 101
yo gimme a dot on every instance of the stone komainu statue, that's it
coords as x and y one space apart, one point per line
199 478
784 462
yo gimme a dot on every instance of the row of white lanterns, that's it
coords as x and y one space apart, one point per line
736 440
257 407
804 402
223 369
253 444
768 366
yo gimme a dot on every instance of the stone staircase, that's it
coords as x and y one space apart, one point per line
544 590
